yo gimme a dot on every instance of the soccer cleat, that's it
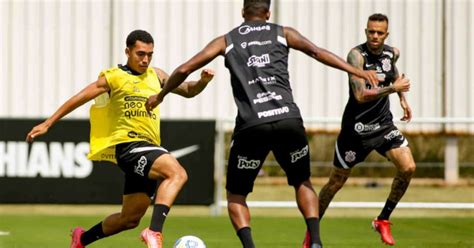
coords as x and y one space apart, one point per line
383 227
76 234
152 239
307 240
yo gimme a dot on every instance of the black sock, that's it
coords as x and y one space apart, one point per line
158 217
313 228
93 234
387 210
245 236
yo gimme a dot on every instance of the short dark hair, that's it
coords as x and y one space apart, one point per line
378 17
256 7
140 35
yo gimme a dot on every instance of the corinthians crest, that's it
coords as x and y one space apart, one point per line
350 156
386 64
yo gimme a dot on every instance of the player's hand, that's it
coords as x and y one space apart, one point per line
37 131
153 101
407 114
207 75
371 78
402 84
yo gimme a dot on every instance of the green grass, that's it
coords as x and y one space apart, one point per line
47 226
50 231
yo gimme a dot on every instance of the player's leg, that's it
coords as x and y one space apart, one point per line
348 151
291 150
239 215
173 176
396 149
134 206
136 197
403 160
337 179
247 153
307 201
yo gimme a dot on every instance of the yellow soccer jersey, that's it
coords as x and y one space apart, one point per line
120 115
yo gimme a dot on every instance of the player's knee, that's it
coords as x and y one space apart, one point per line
408 169
337 185
130 222
133 224
180 176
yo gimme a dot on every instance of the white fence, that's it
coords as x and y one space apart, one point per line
51 49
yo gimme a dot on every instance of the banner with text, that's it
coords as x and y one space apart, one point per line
55 168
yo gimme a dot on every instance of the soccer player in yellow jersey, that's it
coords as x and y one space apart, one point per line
124 132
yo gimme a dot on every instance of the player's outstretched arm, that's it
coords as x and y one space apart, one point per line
215 48
88 93
189 89
297 41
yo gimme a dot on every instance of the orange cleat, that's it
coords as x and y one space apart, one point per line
152 239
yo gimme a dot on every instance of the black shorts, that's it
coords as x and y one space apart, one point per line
352 148
249 148
135 159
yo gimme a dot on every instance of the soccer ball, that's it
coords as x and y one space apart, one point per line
189 241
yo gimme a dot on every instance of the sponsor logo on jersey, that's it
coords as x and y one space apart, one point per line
266 96
47 160
140 166
350 156
393 134
273 112
245 29
134 107
359 127
133 134
255 43
258 61
296 155
247 164
264 80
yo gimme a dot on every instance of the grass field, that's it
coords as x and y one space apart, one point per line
52 231
48 225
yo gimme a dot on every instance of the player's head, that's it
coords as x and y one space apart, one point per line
376 31
139 50
256 8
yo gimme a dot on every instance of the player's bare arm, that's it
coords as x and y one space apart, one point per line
407 113
91 91
297 41
188 89
215 48
358 85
